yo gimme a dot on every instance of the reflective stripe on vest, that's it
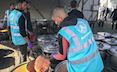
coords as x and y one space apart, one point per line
88 43
75 39
83 60
79 47
16 34
15 27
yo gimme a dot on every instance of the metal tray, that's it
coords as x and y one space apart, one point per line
103 46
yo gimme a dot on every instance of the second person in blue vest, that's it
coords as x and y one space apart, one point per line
7 13
78 43
19 30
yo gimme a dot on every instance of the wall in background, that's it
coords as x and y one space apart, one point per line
46 6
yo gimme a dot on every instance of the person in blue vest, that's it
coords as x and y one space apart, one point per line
6 19
78 43
7 12
18 27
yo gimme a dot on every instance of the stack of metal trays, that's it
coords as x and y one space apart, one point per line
111 41
104 34
106 37
113 51
48 43
103 46
98 37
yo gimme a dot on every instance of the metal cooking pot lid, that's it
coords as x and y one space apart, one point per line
103 46
5 52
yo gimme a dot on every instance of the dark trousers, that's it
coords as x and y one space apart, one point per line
114 23
101 23
23 50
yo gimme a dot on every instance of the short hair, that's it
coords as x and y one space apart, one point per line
21 1
73 3
57 9
28 2
12 4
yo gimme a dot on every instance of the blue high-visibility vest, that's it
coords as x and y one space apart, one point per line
83 55
7 13
17 39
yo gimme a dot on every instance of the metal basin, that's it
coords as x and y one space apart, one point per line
6 62
48 43
61 67
5 52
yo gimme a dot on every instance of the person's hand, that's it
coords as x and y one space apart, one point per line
30 45
52 55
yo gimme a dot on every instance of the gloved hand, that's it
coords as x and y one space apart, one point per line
52 55
30 45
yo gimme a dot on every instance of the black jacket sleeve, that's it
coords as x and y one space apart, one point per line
60 44
22 26
29 24
112 14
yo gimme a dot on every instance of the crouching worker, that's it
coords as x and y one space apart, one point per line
78 43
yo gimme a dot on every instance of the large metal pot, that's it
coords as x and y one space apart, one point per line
25 67
113 58
48 43
6 64
9 56
30 66
5 52
61 67
46 27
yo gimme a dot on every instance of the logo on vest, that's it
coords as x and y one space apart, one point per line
82 28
